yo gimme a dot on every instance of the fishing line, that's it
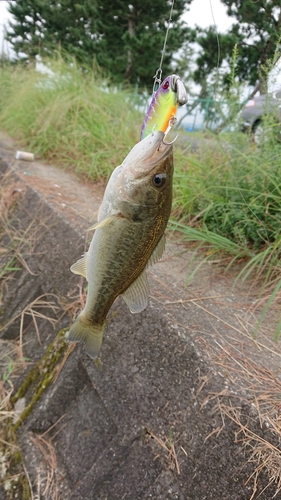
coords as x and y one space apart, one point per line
218 46
158 75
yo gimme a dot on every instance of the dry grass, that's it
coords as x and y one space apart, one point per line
48 474
169 447
34 309
10 364
10 190
254 402
75 300
8 444
16 243
264 455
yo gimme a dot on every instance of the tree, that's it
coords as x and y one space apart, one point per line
133 36
40 27
126 38
256 31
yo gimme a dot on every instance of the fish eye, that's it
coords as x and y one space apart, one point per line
159 180
165 85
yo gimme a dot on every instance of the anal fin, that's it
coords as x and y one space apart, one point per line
158 252
136 296
80 267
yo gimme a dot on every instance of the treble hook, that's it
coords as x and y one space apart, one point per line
172 122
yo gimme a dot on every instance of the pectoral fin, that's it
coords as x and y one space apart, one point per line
80 267
136 296
105 222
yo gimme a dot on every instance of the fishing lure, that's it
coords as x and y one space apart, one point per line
163 107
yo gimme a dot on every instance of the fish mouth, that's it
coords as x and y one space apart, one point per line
162 148
178 87
161 152
146 149
146 155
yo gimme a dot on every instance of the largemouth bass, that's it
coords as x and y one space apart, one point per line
129 237
163 107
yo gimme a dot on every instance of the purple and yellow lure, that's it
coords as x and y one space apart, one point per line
163 107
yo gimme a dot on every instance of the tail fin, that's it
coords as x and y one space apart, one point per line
90 334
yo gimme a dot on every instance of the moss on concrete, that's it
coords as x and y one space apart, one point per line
35 383
41 375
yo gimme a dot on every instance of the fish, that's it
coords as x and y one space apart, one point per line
163 107
129 237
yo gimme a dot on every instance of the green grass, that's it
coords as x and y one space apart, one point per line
229 197
72 118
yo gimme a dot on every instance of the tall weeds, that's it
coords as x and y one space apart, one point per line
69 116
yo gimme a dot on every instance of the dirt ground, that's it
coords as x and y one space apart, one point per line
185 403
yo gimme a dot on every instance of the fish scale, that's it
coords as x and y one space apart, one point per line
120 272
128 237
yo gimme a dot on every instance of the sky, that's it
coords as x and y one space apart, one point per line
4 16
205 13
202 12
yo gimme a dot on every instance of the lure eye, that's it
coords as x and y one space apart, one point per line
165 85
159 180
